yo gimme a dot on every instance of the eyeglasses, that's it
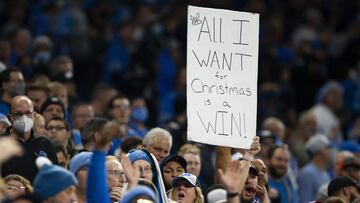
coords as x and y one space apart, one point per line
145 170
19 114
15 187
56 128
116 173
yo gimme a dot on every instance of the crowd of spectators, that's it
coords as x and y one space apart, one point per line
98 88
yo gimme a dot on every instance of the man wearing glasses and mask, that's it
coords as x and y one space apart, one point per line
21 117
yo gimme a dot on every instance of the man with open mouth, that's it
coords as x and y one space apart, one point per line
250 189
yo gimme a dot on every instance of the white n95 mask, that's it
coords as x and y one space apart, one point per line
23 124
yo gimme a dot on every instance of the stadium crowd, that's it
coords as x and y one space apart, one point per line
93 105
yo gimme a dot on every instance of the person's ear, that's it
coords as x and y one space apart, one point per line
346 191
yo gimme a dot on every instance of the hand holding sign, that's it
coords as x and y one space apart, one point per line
255 147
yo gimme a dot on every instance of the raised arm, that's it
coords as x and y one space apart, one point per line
222 161
97 187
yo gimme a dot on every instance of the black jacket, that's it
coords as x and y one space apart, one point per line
25 164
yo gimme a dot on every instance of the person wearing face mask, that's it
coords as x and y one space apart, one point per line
12 84
42 49
21 117
138 117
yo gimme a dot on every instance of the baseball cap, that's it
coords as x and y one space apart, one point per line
317 142
52 100
340 183
173 157
190 178
216 194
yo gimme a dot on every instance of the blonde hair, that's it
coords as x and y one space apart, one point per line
55 88
39 122
199 196
39 80
334 200
189 149
25 182
111 157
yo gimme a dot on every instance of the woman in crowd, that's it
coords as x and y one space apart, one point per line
171 167
149 169
17 185
186 189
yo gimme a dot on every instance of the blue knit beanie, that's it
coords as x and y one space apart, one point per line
51 179
135 155
138 191
80 160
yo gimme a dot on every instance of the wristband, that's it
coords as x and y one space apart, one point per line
247 158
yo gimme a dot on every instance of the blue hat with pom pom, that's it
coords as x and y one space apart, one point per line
51 179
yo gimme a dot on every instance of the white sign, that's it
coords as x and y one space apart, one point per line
222 69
